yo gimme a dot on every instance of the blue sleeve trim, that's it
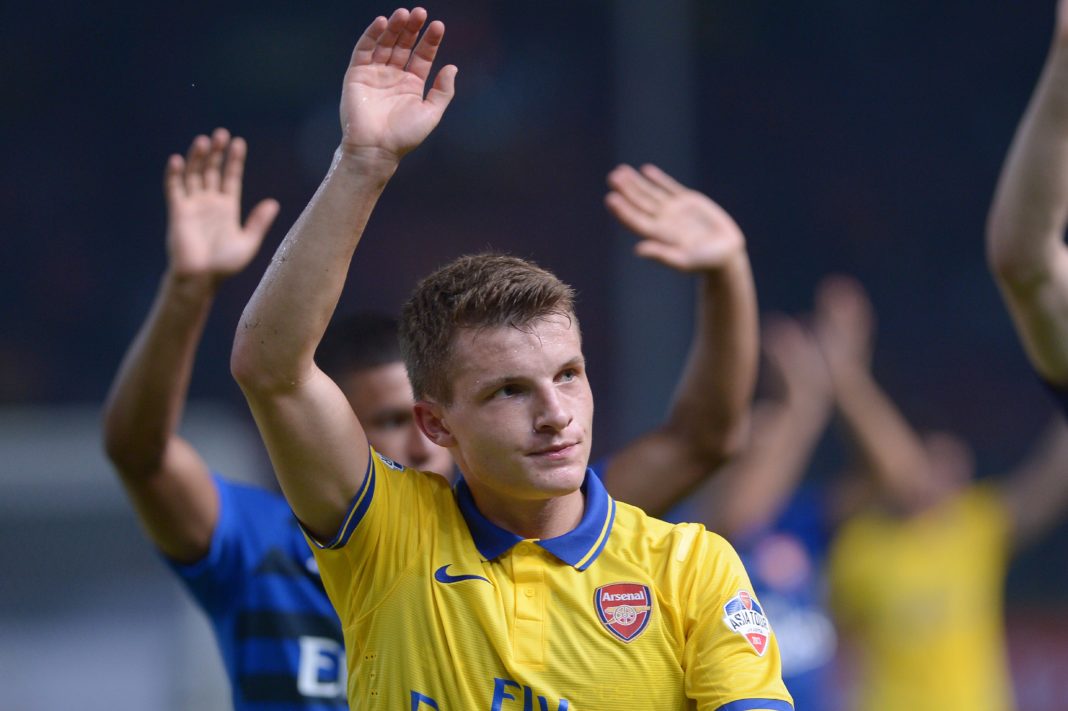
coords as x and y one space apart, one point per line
357 510
754 704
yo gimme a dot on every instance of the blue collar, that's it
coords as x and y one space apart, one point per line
578 547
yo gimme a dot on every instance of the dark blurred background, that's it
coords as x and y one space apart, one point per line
847 136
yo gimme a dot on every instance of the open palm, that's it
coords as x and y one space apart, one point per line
679 227
382 104
205 236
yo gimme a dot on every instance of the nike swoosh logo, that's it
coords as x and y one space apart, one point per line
443 577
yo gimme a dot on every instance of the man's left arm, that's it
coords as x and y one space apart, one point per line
707 422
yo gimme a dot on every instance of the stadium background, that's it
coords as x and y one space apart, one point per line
842 135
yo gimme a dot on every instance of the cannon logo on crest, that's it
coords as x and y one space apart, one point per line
746 617
623 608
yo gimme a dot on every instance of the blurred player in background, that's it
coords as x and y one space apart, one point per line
235 546
1025 230
917 578
494 356
781 524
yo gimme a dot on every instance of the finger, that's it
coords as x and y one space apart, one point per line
260 219
388 40
424 53
660 252
194 163
662 180
444 88
402 51
632 194
636 188
631 216
234 172
365 46
213 167
173 183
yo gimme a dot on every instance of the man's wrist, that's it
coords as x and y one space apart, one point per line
191 287
734 264
370 161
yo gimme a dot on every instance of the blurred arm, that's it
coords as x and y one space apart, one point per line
888 445
707 422
1036 493
318 448
1025 229
166 479
760 482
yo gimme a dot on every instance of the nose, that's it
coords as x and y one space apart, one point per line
552 414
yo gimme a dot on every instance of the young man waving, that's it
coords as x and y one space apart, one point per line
527 587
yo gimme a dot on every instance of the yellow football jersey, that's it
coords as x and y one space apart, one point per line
922 598
442 609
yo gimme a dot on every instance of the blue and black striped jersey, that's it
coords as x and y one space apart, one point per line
280 639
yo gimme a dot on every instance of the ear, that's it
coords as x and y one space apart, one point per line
430 418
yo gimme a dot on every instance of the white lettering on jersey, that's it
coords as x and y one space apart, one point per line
321 654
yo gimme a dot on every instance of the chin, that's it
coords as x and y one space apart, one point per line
563 480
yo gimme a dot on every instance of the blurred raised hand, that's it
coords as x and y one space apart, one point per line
844 325
679 227
205 237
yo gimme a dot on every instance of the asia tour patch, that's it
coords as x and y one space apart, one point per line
624 609
746 617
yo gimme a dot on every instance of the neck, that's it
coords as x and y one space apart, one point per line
542 518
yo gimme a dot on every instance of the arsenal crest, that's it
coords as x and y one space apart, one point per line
623 608
745 616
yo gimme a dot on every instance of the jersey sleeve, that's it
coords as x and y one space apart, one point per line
731 656
213 578
390 519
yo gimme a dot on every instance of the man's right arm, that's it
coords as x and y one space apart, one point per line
1025 228
317 447
164 476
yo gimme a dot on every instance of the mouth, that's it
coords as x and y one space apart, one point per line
555 451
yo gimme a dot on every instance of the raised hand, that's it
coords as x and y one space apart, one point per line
844 324
679 227
382 103
796 362
205 237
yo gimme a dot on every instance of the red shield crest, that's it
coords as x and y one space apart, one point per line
623 608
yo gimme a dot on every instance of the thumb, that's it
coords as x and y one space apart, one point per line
660 252
261 218
444 88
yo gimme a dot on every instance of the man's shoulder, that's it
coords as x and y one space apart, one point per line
637 529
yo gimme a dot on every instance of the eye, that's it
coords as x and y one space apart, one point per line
568 374
507 390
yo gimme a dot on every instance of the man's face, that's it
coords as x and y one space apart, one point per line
520 421
382 399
